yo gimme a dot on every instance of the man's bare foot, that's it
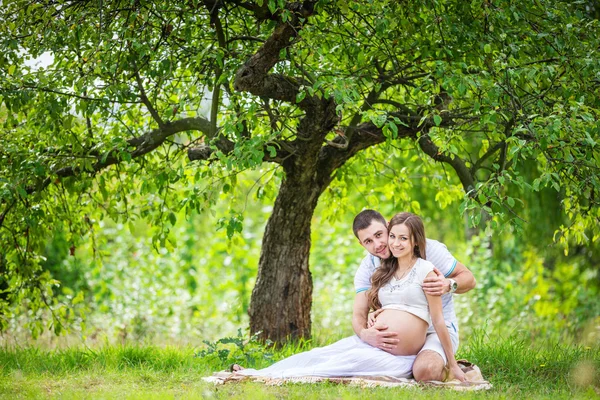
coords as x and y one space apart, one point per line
235 368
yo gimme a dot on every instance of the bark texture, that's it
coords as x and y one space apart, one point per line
282 296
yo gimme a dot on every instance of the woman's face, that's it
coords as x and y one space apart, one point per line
400 241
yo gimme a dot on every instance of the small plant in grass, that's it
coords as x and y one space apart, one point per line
237 349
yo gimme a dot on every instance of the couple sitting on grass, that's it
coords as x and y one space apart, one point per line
409 281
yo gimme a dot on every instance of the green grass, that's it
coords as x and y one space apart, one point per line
515 368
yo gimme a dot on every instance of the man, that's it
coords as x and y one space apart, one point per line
451 277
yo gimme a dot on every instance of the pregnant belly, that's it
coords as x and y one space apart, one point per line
410 328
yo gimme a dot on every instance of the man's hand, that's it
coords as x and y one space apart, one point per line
436 285
378 336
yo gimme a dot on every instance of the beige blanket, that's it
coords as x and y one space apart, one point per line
474 377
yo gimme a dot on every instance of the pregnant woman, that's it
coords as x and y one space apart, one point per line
397 294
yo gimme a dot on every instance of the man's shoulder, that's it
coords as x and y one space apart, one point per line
369 262
440 256
435 244
367 258
362 278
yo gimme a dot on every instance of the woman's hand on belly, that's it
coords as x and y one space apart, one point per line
372 317
410 328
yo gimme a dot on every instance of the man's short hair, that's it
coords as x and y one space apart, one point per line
366 218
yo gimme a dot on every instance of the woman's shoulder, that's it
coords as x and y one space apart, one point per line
424 265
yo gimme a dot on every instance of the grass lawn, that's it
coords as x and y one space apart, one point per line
516 369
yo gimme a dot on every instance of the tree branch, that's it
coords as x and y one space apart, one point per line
487 154
145 100
367 104
141 144
398 105
454 161
251 38
216 22
204 152
365 135
5 212
77 96
254 77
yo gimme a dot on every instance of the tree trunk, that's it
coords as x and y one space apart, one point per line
282 296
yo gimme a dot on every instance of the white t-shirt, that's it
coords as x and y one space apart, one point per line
407 294
437 254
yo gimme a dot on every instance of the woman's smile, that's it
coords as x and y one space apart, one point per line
397 250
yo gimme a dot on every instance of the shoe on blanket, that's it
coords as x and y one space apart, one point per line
471 371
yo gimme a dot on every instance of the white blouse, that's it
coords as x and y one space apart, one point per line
407 294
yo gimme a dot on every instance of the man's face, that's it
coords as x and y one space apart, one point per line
375 239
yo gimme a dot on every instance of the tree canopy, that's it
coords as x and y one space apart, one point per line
144 109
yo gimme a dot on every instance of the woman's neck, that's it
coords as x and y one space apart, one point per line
406 262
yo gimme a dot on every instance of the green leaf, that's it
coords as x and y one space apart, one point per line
272 151
300 96
437 120
22 192
378 119
172 218
393 128
78 299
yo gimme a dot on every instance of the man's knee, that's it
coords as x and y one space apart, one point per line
428 366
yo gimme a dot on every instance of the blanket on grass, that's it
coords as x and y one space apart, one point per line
473 373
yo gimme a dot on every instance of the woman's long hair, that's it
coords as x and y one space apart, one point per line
388 267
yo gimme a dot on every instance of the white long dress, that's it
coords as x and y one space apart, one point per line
351 356
347 357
